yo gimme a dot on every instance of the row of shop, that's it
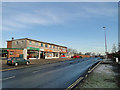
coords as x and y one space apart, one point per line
30 53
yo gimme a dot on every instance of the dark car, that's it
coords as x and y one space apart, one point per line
17 61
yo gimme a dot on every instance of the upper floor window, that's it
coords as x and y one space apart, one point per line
30 42
22 42
36 43
53 46
46 45
41 44
17 43
50 46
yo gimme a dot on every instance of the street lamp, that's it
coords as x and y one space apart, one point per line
105 41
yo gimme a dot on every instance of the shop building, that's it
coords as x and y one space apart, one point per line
11 52
34 49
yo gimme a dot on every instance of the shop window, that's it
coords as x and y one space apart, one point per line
46 45
30 42
18 58
11 52
41 44
32 54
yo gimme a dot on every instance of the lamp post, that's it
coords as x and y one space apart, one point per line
105 42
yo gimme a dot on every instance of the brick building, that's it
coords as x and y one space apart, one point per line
33 49
11 52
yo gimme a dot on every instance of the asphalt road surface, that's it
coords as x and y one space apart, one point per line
56 75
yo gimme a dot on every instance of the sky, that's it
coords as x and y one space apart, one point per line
77 25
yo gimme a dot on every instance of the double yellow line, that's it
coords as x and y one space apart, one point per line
75 83
81 78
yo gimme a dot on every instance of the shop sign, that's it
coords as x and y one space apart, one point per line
48 50
41 49
63 52
32 48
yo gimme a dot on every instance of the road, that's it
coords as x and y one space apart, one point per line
56 75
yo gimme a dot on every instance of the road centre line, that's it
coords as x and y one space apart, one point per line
8 78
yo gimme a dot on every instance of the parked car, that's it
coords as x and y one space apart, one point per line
17 61
76 57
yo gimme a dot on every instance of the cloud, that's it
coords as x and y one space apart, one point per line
50 16
61 1
101 11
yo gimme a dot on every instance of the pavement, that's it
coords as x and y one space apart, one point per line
55 75
106 75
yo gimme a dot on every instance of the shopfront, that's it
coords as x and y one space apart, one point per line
48 54
3 53
11 52
63 54
33 53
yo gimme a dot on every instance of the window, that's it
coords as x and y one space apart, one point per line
18 58
17 42
41 44
46 45
50 46
53 46
22 42
11 52
36 43
30 42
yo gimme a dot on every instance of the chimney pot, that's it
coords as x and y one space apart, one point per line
12 38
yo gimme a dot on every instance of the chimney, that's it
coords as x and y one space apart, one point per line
12 38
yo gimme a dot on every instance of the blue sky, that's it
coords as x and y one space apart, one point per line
76 25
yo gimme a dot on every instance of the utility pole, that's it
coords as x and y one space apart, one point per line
105 41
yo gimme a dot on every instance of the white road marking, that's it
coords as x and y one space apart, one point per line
35 71
8 78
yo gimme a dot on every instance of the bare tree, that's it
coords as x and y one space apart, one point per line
114 49
119 47
80 53
93 54
72 51
88 53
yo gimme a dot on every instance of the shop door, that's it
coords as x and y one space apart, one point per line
42 55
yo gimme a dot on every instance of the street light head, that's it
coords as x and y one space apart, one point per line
104 27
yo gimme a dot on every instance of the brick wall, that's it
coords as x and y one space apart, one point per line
14 53
9 44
